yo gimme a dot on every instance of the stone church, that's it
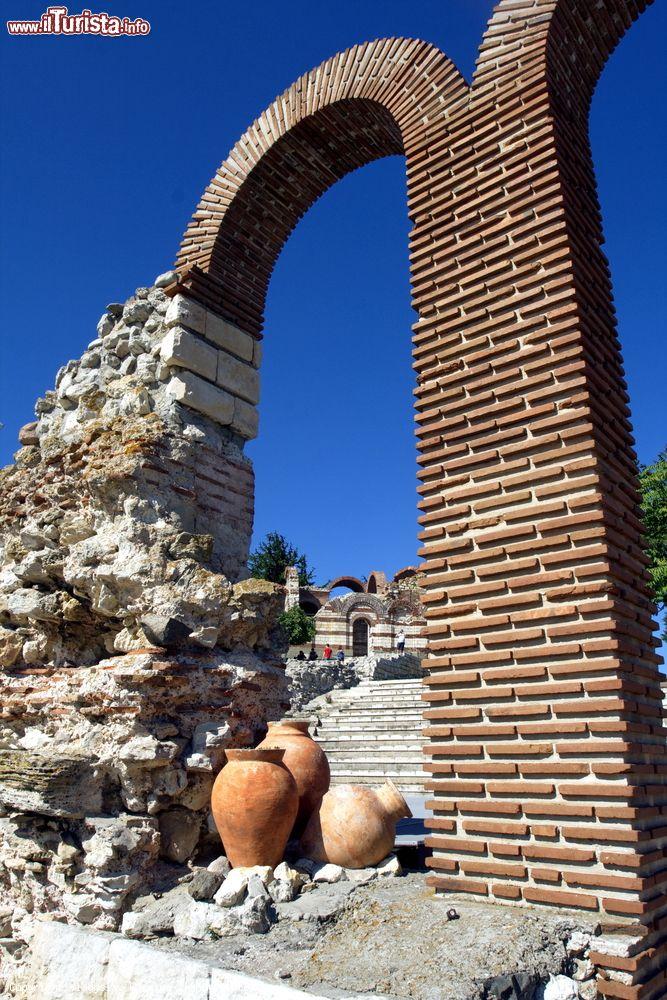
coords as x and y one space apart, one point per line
367 619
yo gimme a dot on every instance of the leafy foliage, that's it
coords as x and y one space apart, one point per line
298 626
653 486
271 558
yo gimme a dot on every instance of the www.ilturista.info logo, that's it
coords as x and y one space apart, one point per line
58 21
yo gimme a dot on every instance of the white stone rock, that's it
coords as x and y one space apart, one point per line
246 420
559 988
238 377
251 917
137 970
69 962
165 279
220 866
617 945
328 873
390 866
229 337
185 312
182 348
285 873
199 395
193 920
584 969
226 985
233 889
361 875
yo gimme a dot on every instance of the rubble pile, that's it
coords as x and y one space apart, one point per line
217 902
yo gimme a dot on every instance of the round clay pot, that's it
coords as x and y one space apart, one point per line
355 826
307 762
254 804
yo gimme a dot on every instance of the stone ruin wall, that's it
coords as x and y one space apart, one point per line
131 655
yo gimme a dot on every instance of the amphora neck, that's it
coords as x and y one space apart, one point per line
393 801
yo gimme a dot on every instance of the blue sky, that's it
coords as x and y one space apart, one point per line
107 147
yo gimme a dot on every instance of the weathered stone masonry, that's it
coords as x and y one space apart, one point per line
547 749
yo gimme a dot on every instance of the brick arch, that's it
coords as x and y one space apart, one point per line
569 40
372 100
353 583
546 746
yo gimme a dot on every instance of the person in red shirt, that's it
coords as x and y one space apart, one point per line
327 652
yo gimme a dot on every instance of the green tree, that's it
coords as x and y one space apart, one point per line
298 626
653 486
271 558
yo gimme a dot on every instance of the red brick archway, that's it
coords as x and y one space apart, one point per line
547 748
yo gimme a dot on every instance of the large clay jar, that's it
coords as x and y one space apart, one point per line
254 804
355 826
307 762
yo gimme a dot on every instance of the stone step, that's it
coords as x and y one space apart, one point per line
379 775
413 723
373 685
367 708
333 735
387 739
384 749
375 762
358 694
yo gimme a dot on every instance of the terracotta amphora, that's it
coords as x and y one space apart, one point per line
355 826
307 762
254 804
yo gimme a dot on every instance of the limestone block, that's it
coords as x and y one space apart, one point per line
238 377
137 970
202 396
69 962
226 985
246 420
229 337
182 348
184 312
257 354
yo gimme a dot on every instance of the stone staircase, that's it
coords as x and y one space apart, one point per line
371 732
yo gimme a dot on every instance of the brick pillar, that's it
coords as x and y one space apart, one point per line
547 750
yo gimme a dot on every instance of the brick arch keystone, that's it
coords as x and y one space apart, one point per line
546 754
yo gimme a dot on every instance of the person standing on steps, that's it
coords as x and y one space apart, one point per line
340 656
327 652
312 654
400 641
